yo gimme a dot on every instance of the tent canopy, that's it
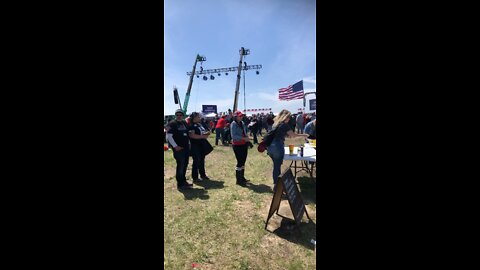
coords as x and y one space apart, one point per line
210 115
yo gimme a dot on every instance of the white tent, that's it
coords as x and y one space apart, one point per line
210 115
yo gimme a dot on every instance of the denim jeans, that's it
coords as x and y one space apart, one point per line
182 162
276 151
255 140
299 129
198 164
220 132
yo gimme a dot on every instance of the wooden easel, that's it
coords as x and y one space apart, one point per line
286 184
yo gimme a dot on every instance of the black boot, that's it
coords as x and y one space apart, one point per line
238 175
242 175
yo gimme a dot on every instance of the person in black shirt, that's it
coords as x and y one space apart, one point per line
204 124
198 135
254 127
246 121
260 124
178 140
292 122
269 122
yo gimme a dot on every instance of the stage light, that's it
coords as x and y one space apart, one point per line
212 78
205 78
226 73
258 72
198 76
219 74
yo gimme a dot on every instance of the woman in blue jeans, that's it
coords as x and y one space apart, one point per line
276 150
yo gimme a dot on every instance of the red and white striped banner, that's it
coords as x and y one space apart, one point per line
258 110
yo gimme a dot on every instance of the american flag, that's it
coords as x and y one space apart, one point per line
291 92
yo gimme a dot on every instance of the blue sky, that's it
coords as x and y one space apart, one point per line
281 36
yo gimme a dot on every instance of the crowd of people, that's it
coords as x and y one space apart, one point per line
188 137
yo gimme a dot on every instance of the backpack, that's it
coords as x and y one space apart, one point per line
267 140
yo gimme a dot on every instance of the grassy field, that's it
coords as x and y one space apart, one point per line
220 225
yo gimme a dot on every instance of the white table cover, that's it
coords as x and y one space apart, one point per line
309 154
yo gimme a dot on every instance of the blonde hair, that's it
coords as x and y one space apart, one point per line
281 117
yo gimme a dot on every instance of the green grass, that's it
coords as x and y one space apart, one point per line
220 225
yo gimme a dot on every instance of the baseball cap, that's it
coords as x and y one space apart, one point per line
238 113
178 111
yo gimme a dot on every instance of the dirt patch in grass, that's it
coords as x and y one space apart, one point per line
169 173
244 206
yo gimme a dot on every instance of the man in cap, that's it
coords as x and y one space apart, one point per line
177 136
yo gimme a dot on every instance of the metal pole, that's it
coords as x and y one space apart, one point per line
244 103
179 102
189 88
235 101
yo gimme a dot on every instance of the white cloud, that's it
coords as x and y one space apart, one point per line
221 103
267 96
310 79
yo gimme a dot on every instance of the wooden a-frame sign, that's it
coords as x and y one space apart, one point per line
286 184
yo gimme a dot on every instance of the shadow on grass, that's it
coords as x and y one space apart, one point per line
289 232
308 189
210 184
195 193
259 188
